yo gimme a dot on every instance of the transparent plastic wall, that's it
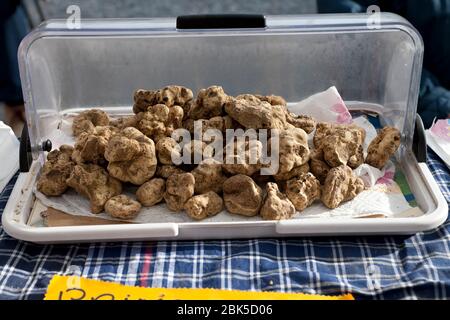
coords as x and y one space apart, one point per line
102 64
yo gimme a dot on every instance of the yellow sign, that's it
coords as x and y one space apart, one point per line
77 288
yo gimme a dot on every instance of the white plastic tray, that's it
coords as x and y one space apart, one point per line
422 184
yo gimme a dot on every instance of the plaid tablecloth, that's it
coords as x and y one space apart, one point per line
400 267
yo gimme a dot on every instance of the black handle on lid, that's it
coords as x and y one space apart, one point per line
420 141
221 21
25 158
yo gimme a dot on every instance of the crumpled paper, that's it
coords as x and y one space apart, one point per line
9 153
438 138
441 130
382 197
326 106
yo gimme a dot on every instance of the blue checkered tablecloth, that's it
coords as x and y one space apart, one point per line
400 267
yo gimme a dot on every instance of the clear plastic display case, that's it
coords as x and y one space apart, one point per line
376 68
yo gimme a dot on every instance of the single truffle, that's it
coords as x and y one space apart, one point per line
87 120
324 129
122 207
143 99
57 168
242 195
339 149
208 177
209 103
90 147
160 121
383 147
153 122
204 205
151 192
164 149
276 204
122 148
303 191
95 183
293 149
338 144
340 185
179 189
131 156
252 113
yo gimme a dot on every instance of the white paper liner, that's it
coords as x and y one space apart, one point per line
438 138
